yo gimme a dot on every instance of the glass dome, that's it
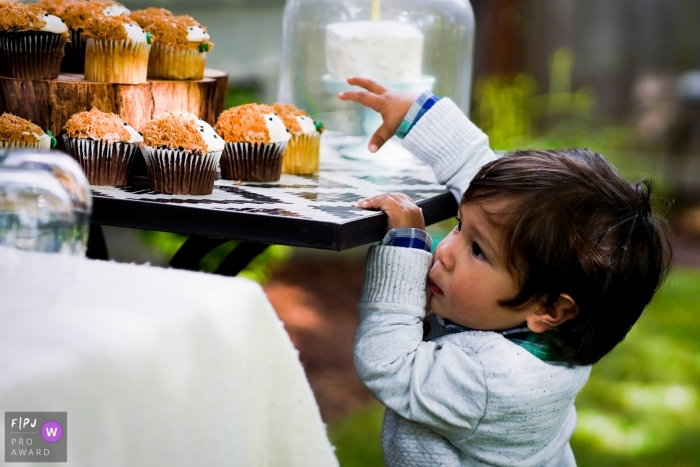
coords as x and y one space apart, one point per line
384 39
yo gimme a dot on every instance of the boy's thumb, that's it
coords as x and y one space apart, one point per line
380 137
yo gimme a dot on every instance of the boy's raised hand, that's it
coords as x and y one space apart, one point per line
400 208
392 105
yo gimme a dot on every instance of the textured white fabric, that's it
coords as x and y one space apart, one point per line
154 367
453 146
467 399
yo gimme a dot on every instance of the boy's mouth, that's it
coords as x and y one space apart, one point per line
435 289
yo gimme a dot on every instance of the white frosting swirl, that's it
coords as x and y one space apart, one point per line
135 137
134 32
308 127
214 141
116 10
196 34
43 138
53 24
275 126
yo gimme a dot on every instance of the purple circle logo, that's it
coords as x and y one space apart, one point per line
51 431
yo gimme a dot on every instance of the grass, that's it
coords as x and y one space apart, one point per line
640 407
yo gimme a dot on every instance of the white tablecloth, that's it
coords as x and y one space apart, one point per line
154 367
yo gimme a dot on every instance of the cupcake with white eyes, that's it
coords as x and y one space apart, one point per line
181 153
180 49
16 132
103 144
75 13
255 142
116 50
31 42
302 154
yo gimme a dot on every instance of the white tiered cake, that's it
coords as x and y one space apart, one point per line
386 51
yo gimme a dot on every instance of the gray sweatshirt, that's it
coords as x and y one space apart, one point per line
466 399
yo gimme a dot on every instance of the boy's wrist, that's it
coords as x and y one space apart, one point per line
424 103
408 238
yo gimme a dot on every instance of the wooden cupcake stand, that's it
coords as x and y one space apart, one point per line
50 103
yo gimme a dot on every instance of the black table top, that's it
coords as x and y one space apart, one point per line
316 211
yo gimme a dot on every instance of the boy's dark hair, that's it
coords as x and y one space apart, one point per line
577 227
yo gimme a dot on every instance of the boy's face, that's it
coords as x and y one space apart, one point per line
469 275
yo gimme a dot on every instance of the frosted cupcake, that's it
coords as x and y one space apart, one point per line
75 13
148 15
180 48
104 146
31 42
302 154
255 142
16 132
116 50
181 153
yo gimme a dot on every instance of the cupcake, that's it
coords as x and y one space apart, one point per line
104 146
180 48
116 50
255 142
148 15
16 132
181 153
75 13
31 42
302 154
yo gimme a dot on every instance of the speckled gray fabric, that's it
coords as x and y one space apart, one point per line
466 399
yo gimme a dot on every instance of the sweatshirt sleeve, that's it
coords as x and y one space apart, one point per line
455 148
441 386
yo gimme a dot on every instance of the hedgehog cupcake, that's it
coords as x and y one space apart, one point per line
181 153
103 144
16 132
255 142
75 13
116 50
148 15
31 42
180 48
302 154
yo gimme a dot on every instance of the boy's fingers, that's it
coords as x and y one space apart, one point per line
380 137
382 202
368 84
365 98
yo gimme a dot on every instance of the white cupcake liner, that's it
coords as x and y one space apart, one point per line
302 154
44 144
179 172
121 62
31 54
167 62
104 163
252 162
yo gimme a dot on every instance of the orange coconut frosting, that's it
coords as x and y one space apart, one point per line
148 15
97 125
18 130
54 7
20 16
76 13
107 28
245 123
175 130
173 31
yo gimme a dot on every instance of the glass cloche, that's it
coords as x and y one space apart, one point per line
409 45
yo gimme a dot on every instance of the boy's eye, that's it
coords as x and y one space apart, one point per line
477 252
458 227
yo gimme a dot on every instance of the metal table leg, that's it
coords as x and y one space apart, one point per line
193 250
96 247
239 258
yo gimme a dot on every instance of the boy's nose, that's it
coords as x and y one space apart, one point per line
442 254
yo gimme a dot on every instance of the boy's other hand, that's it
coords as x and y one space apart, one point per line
400 208
392 105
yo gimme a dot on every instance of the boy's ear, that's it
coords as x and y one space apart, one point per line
550 316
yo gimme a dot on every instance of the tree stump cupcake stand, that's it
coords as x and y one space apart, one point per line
50 103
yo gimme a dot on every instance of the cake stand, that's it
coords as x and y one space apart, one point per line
391 151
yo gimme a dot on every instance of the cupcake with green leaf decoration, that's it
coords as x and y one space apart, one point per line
16 132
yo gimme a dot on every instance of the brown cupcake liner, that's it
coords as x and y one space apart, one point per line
31 54
44 145
179 172
302 155
252 162
74 59
166 62
104 163
122 62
